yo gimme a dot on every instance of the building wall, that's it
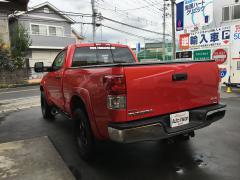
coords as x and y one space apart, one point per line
40 40
4 29
217 12
39 55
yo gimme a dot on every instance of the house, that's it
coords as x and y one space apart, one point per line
77 36
49 29
8 7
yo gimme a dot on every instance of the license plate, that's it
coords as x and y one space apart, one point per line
179 119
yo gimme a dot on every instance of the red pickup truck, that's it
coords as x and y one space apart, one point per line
110 95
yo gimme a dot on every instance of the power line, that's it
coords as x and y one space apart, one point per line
135 27
133 9
127 14
131 34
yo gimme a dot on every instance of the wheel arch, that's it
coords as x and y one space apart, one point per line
78 102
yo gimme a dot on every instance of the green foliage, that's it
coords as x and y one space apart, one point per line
20 42
5 58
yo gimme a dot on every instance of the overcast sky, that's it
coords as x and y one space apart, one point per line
140 13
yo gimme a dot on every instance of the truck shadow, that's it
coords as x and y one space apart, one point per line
144 160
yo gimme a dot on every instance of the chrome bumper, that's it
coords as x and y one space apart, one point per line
158 127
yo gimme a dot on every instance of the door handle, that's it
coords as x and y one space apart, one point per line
180 77
58 77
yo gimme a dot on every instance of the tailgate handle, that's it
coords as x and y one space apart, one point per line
180 77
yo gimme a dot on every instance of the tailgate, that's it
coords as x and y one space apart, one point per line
159 89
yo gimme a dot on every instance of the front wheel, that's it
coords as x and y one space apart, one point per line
46 108
83 135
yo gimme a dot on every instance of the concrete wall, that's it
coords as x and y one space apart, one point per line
4 29
15 77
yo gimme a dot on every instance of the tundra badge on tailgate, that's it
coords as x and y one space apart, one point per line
137 113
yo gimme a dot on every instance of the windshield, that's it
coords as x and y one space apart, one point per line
85 56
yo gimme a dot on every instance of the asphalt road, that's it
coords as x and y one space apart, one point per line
213 154
20 92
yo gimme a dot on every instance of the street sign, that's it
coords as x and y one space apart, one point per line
209 38
138 47
223 72
220 56
202 54
184 55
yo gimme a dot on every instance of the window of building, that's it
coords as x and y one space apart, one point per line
46 30
43 30
52 31
231 12
35 29
238 65
59 31
236 12
46 10
226 13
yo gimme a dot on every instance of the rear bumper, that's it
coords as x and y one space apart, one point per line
159 127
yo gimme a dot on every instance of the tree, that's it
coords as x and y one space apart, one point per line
5 58
20 42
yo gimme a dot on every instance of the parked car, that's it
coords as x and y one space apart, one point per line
111 96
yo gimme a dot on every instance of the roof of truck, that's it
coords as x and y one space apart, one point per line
100 44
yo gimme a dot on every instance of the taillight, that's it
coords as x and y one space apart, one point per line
116 88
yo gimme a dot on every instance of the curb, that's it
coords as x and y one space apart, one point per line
17 85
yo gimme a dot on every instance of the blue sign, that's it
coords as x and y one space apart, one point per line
223 72
180 16
138 47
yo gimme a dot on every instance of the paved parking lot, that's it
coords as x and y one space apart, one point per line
213 154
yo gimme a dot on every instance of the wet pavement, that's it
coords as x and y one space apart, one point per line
32 159
212 154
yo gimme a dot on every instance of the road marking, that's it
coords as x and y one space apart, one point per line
18 91
18 99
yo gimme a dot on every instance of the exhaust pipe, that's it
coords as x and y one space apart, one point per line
54 111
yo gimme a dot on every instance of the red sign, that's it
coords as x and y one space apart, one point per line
184 41
220 56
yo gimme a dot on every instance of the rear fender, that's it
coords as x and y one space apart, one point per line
85 97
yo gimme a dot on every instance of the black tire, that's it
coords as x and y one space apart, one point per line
46 108
83 134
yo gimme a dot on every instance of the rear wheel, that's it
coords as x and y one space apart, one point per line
83 135
46 108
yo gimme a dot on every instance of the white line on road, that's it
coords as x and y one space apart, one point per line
18 99
19 91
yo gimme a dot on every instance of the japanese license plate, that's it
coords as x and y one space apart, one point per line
179 119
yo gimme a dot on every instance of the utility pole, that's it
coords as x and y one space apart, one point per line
93 20
164 28
173 2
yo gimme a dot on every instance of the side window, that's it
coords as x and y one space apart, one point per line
59 61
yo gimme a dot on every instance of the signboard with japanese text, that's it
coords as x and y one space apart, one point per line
196 13
207 38
184 41
202 54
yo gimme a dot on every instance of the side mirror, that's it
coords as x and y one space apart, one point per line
39 67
